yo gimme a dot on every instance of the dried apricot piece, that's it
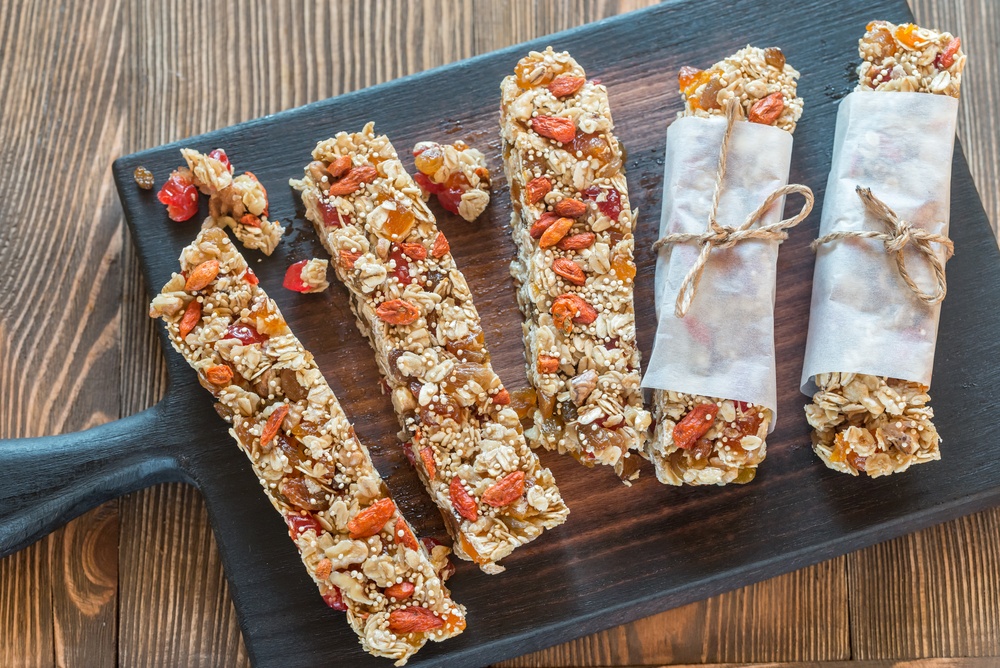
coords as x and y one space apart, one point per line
547 364
505 491
397 312
462 501
694 425
370 521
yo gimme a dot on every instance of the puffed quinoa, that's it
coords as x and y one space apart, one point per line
574 271
351 536
415 306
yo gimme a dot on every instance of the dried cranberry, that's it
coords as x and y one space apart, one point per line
449 197
334 599
408 451
332 217
426 184
299 524
246 334
743 405
402 271
221 156
181 197
612 204
430 543
251 277
293 278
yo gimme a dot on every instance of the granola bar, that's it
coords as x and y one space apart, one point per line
701 440
414 305
574 272
866 423
353 540
237 202
456 174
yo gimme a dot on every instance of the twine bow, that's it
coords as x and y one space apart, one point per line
723 236
900 234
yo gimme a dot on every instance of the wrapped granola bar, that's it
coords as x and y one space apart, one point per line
414 305
354 542
574 272
879 275
712 369
456 174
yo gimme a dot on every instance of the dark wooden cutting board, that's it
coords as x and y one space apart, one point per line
625 552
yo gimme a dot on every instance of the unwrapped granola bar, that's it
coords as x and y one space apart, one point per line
721 352
868 370
574 271
456 174
354 542
414 305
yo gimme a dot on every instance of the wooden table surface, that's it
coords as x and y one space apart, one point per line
137 581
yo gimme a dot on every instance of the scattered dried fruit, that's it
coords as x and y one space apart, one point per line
554 127
569 270
694 425
324 568
547 364
570 308
353 180
767 109
462 501
414 251
413 619
334 599
401 268
610 205
299 524
339 166
191 317
273 424
219 374
565 85
400 591
180 195
348 258
143 178
556 231
536 189
370 521
251 277
543 223
404 536
202 275
250 220
293 278
430 159
906 35
427 457
946 58
570 208
505 491
441 246
220 155
710 94
689 78
501 398
577 241
246 334
332 217
397 312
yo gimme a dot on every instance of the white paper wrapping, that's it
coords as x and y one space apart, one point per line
724 346
863 318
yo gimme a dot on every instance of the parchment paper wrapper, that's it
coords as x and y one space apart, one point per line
864 318
724 346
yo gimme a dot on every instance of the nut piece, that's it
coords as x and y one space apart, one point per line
581 386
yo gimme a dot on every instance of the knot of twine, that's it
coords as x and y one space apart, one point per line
723 236
900 234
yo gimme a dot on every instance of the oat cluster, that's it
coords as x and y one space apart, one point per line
910 59
355 544
574 271
760 79
456 173
415 306
237 202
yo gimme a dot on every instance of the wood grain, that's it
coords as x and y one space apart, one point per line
155 86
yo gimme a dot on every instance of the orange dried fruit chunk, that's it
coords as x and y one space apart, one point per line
441 246
202 275
191 317
324 568
554 127
370 521
414 619
429 160
348 258
501 398
565 85
547 364
536 189
577 241
339 166
569 270
400 591
250 220
414 251
353 180
404 536
568 309
543 223
427 457
505 491
273 423
689 78
556 231
906 35
219 374
570 208
623 268
767 109
462 501
397 312
694 425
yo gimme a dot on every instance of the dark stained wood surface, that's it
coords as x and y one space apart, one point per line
158 88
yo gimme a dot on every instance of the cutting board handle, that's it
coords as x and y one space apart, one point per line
49 480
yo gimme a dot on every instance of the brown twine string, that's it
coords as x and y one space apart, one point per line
723 236
900 233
